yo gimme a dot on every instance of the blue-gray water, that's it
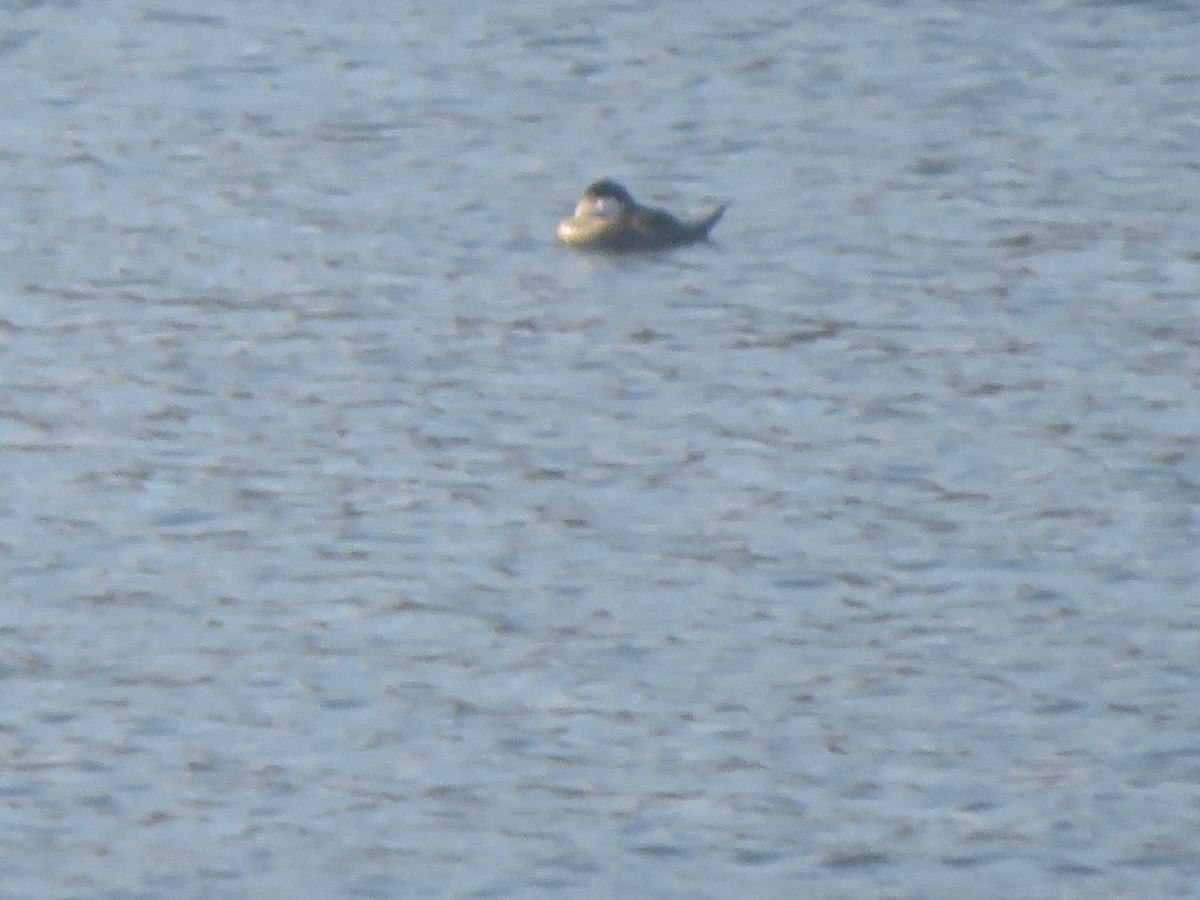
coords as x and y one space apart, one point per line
358 541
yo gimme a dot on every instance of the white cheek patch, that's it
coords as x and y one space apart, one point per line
606 207
597 208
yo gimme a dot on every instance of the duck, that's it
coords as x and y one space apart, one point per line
608 219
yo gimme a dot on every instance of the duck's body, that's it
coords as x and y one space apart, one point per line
607 218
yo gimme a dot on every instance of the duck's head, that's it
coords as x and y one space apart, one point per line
604 199
607 188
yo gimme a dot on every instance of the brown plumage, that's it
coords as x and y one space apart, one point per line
608 219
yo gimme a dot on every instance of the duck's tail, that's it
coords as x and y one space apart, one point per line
705 225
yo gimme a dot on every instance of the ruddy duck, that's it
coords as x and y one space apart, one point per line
607 218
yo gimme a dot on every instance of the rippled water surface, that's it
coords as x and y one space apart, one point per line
358 541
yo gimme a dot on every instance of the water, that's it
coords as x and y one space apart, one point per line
358 541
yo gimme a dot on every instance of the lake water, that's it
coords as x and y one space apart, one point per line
358 541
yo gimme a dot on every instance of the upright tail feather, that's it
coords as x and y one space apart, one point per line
705 225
